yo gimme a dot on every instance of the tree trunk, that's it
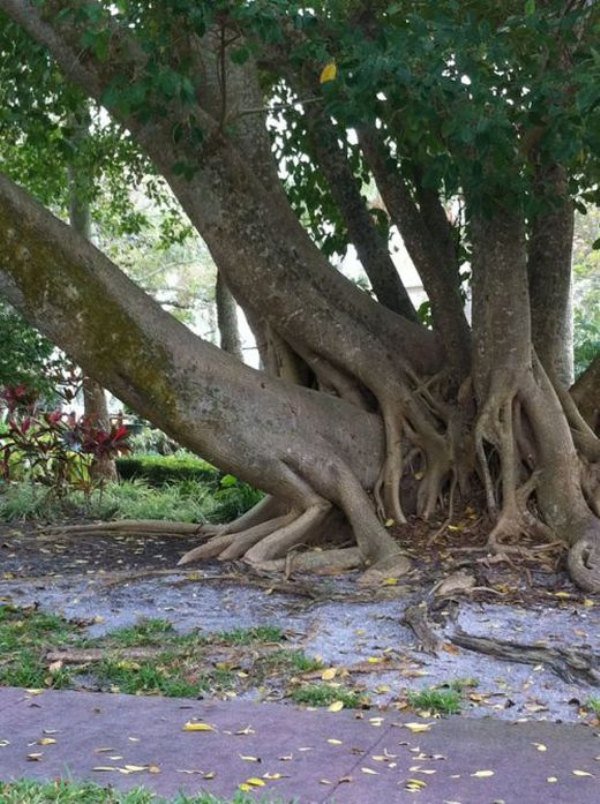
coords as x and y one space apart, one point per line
394 414
549 265
95 409
227 320
313 452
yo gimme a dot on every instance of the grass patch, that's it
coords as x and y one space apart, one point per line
25 636
145 632
166 663
593 704
324 695
246 636
445 702
66 792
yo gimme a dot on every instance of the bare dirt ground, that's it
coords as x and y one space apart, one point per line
434 627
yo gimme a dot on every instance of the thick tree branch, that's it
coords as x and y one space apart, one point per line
441 287
371 246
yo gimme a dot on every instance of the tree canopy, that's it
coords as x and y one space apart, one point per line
478 123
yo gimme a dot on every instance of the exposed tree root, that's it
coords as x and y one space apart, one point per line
320 562
416 619
130 526
572 665
584 561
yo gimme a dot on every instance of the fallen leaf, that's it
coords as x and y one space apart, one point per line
153 769
540 746
54 667
415 784
247 730
483 774
4 743
273 776
390 582
254 781
333 741
244 787
552 779
329 674
46 741
418 727
191 726
103 768
370 771
581 773
328 73
249 758
38 756
336 706
136 768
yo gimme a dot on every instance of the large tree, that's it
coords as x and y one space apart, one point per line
478 123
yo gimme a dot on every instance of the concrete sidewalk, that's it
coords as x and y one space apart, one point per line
300 755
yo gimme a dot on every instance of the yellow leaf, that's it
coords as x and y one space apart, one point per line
415 784
328 73
46 741
248 758
34 691
136 768
564 595
333 741
588 603
209 775
190 726
389 523
374 659
417 727
246 788
336 706
483 774
390 582
328 674
581 773
540 746
254 781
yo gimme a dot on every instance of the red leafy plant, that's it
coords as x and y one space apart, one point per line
54 448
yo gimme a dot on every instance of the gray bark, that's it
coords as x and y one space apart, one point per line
550 249
227 320
95 408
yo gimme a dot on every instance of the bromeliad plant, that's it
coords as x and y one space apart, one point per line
55 449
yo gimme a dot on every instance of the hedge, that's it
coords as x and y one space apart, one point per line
157 470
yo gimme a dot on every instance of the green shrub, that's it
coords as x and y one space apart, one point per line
159 470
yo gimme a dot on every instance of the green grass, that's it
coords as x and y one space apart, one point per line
593 704
246 636
185 501
25 636
445 702
182 665
66 792
325 695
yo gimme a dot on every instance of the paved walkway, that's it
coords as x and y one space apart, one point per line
299 755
